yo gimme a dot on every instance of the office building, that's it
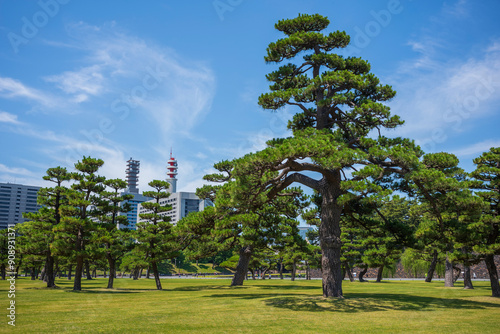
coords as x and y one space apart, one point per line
16 199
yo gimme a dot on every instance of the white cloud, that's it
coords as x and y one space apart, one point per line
138 77
11 88
476 149
438 103
5 117
15 170
457 9
83 82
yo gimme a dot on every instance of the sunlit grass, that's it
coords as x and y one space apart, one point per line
271 306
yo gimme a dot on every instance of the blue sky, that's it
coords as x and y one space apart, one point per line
120 79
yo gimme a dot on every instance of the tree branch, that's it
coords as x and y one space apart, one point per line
295 177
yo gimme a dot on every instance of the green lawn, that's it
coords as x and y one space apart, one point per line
269 306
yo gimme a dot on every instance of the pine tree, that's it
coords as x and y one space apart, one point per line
226 226
75 230
447 206
340 105
487 229
109 239
39 229
155 235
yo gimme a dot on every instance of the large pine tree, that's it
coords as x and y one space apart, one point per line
337 148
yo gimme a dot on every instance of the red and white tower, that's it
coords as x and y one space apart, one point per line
172 173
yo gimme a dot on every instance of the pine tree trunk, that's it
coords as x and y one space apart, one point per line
457 276
264 273
308 271
112 270
18 266
157 275
42 274
242 267
489 260
380 273
135 273
253 273
94 273
70 267
148 273
294 270
56 269
33 273
49 270
77 285
87 270
2 271
329 236
347 269
448 273
281 269
362 273
432 267
467 278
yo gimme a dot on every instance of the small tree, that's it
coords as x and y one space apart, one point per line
109 239
155 235
39 230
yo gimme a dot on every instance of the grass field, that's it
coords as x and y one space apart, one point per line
269 306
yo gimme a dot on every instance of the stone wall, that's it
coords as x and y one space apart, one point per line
479 269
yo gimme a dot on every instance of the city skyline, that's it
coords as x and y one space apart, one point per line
137 81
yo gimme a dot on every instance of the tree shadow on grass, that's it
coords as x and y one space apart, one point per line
358 303
207 287
254 295
103 291
288 287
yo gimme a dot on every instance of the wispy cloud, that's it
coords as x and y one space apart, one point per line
80 83
476 149
137 76
15 89
5 117
15 170
456 9
437 103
